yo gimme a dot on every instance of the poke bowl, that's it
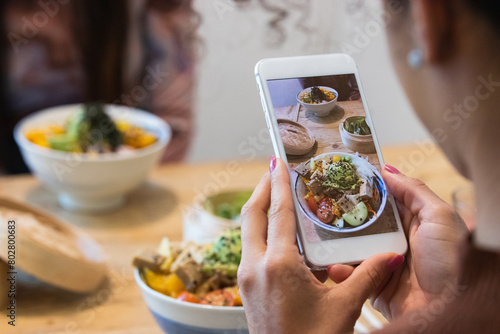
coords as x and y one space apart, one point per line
340 192
89 181
320 100
179 317
191 288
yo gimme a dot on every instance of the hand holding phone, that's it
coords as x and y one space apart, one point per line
321 127
280 294
278 290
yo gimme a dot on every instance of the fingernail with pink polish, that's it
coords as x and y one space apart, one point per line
395 263
392 169
272 164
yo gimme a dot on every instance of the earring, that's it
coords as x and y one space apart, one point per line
416 58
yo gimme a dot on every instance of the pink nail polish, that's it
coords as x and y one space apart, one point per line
395 263
272 164
392 169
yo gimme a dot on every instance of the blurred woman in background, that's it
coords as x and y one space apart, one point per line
135 53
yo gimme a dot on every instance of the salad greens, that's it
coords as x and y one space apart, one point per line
92 127
357 126
232 209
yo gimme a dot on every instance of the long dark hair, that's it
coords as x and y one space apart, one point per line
100 30
489 9
102 41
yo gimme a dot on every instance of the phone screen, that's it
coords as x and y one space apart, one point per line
334 166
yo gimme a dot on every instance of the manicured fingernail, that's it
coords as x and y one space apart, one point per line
395 262
392 169
272 164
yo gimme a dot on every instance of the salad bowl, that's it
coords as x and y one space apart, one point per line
301 190
179 317
91 182
191 288
322 109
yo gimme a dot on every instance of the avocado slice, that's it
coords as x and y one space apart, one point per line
68 141
64 143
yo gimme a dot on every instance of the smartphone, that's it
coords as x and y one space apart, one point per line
319 123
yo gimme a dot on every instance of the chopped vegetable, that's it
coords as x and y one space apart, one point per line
311 202
369 208
356 216
165 250
218 298
325 211
91 130
169 285
188 297
357 125
235 291
317 95
195 273
232 209
98 129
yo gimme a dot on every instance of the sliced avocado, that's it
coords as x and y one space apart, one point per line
356 216
68 141
225 254
63 143
74 124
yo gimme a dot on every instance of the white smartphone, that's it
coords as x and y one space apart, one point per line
320 126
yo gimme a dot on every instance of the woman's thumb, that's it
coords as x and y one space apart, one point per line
371 275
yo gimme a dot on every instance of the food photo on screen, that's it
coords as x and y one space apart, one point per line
334 167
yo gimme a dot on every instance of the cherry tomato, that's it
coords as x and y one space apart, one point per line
325 211
188 297
311 202
218 298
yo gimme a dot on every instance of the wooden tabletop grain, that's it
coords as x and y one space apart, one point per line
153 211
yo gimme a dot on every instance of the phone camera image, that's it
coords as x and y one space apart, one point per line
334 166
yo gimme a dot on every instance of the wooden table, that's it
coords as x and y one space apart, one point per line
155 210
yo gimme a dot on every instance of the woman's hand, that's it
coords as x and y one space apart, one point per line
434 232
279 292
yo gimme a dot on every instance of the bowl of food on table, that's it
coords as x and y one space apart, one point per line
340 192
192 288
91 155
356 134
320 100
209 216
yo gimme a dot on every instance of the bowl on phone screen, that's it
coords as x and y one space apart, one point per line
357 141
301 190
321 109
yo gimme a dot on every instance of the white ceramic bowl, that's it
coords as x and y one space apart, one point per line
178 317
91 183
356 143
301 190
323 109
201 225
